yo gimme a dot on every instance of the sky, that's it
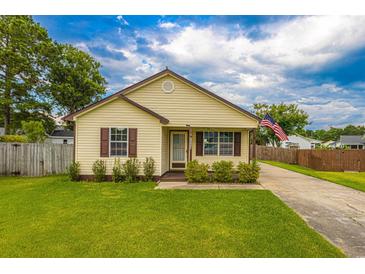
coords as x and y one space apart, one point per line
317 62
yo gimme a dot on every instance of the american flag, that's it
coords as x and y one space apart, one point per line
268 121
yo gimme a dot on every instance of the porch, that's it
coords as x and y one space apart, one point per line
179 145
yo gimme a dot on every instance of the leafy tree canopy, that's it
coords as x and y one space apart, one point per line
34 131
39 77
74 79
23 52
333 134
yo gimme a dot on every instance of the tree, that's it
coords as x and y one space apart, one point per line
74 79
34 131
334 133
24 47
289 117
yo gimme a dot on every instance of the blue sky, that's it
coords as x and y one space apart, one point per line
317 62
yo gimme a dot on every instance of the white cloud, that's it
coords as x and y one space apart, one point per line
121 19
167 25
82 46
245 70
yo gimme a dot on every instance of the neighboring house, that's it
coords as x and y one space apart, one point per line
300 142
2 131
352 141
166 117
61 136
330 144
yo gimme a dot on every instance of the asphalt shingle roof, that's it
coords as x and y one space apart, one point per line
352 139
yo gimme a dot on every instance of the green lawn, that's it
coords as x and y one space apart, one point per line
355 180
52 217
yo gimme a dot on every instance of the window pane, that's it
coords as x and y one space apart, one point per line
226 137
118 149
118 134
123 149
211 137
226 149
210 149
124 134
113 149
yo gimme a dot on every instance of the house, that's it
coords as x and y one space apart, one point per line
166 117
300 142
61 136
352 141
330 144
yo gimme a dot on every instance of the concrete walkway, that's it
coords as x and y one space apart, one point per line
335 211
186 185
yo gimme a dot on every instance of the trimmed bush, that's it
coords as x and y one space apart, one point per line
222 171
73 171
14 139
196 172
117 172
99 170
149 168
131 168
248 173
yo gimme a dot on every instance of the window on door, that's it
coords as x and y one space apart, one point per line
178 147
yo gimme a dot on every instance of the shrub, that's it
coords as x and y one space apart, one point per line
14 139
99 170
248 173
222 171
196 172
117 172
149 168
73 171
131 168
35 131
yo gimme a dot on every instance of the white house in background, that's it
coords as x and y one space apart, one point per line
300 142
331 144
2 131
61 136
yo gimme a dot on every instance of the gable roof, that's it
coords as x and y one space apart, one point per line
62 133
352 139
162 73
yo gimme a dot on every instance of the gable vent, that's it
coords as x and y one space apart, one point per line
168 86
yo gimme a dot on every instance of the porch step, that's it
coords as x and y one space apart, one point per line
173 177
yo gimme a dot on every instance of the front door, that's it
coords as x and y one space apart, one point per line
178 149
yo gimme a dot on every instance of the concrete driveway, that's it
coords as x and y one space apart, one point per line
335 211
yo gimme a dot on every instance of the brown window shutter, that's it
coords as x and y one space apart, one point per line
199 144
104 142
237 144
132 142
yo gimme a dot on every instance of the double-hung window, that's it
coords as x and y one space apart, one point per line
118 141
210 143
226 143
218 143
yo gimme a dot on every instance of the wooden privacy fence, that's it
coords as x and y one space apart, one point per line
325 160
332 160
34 159
284 155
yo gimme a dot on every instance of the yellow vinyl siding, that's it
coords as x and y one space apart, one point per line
116 113
188 106
209 159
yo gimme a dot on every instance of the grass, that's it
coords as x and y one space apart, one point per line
53 217
355 180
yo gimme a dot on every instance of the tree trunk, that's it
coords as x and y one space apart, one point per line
7 102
